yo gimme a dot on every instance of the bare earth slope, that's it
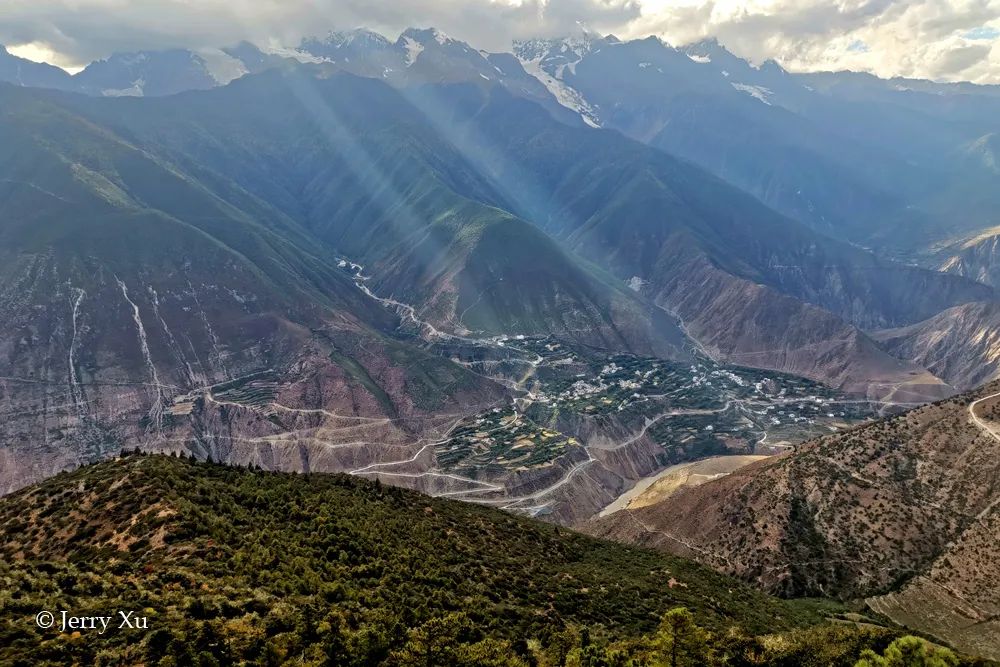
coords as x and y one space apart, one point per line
977 258
961 345
905 506
755 325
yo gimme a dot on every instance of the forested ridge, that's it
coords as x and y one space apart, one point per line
237 566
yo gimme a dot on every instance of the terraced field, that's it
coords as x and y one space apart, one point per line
501 438
580 426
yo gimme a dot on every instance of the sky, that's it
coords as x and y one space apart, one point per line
948 40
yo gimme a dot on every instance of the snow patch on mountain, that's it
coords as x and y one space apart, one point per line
635 283
413 49
135 90
700 59
221 66
566 95
758 92
297 54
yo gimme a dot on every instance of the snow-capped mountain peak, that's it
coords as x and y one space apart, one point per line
426 36
358 37
548 60
553 54
413 49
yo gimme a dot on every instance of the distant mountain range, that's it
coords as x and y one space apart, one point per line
889 162
466 191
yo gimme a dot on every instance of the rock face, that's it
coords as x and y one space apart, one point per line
978 259
961 345
901 510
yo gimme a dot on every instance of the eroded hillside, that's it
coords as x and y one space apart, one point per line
900 510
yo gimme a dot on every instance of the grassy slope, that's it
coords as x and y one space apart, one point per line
79 189
271 560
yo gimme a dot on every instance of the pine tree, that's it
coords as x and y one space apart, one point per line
680 642
909 652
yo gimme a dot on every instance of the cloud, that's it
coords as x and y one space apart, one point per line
913 38
944 39
84 30
961 58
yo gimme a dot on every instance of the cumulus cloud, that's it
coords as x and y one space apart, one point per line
942 39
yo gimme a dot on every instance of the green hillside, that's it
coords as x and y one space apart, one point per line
231 565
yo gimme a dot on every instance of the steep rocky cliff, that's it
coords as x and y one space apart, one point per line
977 258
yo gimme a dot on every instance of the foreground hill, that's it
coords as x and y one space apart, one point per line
903 511
229 563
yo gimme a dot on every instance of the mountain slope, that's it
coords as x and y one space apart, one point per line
898 165
151 73
694 244
390 178
233 563
739 122
600 191
23 72
360 167
131 289
977 258
878 162
901 509
960 345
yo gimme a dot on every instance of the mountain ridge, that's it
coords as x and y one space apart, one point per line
360 566
891 180
891 511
